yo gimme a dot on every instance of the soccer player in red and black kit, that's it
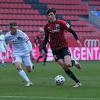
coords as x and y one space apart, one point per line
54 32
39 42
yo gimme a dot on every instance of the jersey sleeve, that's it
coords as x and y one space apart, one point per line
24 36
65 25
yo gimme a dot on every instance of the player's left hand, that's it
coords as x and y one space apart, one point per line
79 42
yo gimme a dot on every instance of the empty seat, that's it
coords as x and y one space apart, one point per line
11 1
94 3
72 18
15 5
73 2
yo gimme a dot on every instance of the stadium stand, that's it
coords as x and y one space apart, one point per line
31 14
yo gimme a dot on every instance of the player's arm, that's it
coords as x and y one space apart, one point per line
75 35
67 27
46 38
29 45
23 36
26 38
30 49
7 47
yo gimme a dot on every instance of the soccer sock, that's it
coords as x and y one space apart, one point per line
73 62
76 62
45 58
71 75
2 61
23 75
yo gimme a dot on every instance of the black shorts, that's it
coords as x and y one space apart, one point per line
45 50
61 53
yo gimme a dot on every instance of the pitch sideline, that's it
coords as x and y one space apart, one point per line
56 98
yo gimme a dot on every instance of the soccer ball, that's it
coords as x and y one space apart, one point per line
59 80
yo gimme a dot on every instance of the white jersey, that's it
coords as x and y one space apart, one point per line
2 43
19 42
2 40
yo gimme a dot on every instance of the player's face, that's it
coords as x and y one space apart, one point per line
13 30
51 17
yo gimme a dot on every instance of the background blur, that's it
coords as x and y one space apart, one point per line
83 15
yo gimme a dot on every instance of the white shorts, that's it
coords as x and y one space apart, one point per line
23 59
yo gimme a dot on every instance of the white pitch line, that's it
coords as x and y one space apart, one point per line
56 98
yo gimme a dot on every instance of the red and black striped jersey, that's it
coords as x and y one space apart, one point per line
56 38
39 40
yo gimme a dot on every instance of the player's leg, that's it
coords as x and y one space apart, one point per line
3 57
29 66
64 60
68 64
41 56
18 63
69 72
45 59
12 58
31 55
28 63
45 55
75 63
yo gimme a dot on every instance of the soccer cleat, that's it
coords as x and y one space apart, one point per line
29 84
77 85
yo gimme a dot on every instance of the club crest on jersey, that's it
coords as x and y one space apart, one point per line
58 27
49 27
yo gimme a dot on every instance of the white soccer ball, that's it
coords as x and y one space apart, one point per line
59 80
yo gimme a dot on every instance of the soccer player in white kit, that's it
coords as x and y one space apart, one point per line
21 50
2 47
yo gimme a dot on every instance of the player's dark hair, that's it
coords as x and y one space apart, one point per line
12 24
51 10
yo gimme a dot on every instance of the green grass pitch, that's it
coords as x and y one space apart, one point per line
12 86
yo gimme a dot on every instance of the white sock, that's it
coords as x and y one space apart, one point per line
32 65
2 61
23 75
76 62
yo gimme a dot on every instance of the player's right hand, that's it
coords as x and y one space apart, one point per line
79 42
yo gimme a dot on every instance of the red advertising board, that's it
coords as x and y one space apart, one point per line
79 53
